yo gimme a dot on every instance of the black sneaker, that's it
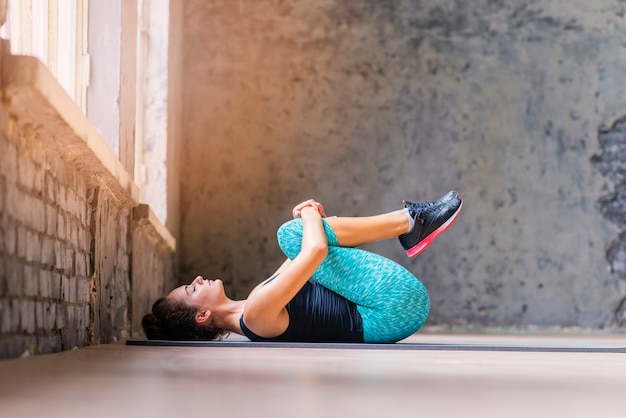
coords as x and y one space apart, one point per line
416 207
431 220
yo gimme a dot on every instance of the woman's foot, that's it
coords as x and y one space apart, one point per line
422 205
431 220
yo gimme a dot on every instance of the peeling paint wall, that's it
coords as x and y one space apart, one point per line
363 103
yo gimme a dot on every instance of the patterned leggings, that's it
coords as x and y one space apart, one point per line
392 302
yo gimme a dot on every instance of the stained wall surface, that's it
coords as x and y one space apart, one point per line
361 104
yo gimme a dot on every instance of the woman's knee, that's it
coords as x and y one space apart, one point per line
290 237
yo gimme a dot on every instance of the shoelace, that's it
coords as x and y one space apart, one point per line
420 207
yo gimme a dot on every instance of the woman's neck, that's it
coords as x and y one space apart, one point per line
227 317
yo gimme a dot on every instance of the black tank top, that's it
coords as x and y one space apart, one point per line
317 314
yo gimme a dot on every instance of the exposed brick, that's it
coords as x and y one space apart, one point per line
37 215
85 314
38 182
52 187
15 202
6 314
30 281
15 315
3 276
69 332
56 166
47 252
88 216
38 152
14 273
80 239
39 316
50 315
48 344
81 266
61 230
27 316
8 157
88 265
82 212
73 237
84 239
62 197
68 260
68 229
52 214
33 247
72 287
81 188
55 285
22 241
26 169
30 345
45 281
10 238
65 288
72 230
60 316
13 346
3 187
83 290
71 206
58 255
26 203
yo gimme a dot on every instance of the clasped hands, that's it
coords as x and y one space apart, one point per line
297 210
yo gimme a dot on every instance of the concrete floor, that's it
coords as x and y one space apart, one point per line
130 381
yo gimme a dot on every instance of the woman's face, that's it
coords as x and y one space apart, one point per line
200 292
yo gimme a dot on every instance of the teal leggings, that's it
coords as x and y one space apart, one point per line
392 302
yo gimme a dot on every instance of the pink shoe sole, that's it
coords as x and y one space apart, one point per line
423 244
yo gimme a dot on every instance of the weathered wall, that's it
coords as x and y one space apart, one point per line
66 232
44 261
363 103
64 261
153 264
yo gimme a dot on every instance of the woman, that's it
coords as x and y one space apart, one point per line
326 291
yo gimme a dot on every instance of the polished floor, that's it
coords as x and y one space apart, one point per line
116 380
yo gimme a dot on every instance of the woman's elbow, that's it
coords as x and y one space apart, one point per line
319 250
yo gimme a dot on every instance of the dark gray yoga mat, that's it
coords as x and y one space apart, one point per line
538 348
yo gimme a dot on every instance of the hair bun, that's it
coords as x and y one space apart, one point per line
152 327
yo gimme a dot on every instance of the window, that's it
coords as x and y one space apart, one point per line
55 31
113 58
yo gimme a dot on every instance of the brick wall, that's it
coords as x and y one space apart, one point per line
154 264
66 236
46 235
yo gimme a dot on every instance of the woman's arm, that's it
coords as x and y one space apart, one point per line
265 312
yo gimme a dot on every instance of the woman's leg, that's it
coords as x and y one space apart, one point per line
392 302
433 219
357 231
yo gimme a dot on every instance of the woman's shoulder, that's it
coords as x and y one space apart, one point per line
263 324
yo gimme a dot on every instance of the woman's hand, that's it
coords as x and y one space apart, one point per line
297 210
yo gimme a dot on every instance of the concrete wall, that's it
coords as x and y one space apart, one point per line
363 103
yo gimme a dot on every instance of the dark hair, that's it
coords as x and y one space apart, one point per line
172 320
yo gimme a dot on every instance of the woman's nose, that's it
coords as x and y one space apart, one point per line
198 279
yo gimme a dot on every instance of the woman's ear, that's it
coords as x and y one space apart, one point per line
203 316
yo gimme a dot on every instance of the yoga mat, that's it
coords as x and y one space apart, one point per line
530 348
